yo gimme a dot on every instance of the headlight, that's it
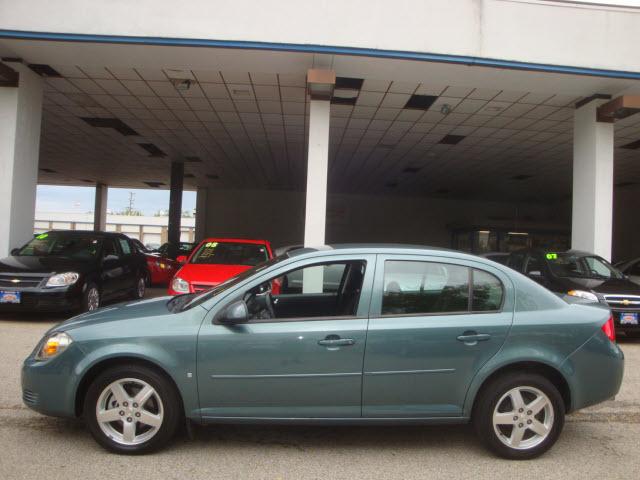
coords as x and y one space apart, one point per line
585 295
53 345
63 279
180 285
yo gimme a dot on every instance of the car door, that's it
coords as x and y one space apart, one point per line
434 322
113 268
131 263
305 365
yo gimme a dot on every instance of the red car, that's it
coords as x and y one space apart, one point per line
215 260
161 268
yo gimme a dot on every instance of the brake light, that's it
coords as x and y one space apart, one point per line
609 329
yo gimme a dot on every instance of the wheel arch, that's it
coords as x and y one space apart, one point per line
527 366
96 369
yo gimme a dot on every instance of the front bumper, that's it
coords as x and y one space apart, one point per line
59 299
49 387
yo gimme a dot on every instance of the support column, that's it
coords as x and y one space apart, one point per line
175 202
592 216
320 87
100 208
20 119
201 213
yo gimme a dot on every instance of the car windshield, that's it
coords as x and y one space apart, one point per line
189 300
583 266
55 244
230 253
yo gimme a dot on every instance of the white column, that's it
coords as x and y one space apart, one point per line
317 166
316 206
20 118
592 182
100 208
201 213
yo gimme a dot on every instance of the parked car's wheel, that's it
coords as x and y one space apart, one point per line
140 287
519 415
91 298
132 409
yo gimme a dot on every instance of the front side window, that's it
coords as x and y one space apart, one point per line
230 253
416 287
124 245
315 291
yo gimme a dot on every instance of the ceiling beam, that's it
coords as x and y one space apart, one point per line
618 108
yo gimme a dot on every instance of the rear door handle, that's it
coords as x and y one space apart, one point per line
333 341
472 337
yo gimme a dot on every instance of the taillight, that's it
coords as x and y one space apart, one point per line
609 329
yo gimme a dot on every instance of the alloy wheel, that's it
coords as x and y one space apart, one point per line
129 411
93 299
523 418
142 283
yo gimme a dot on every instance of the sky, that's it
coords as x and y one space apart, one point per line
52 198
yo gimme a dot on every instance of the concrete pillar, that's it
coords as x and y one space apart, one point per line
20 119
317 167
592 182
201 214
100 208
175 202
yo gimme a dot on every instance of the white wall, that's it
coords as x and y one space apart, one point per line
549 32
278 216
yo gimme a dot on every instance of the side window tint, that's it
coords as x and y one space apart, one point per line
414 287
124 245
320 279
487 292
109 248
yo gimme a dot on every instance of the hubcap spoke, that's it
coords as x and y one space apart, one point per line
517 400
144 395
109 415
516 437
150 419
120 393
503 418
129 431
539 428
537 405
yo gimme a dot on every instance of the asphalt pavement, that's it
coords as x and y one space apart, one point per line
601 442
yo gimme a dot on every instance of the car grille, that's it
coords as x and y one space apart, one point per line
29 397
24 280
623 302
198 287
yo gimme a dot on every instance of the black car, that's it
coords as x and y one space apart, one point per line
584 275
171 251
71 270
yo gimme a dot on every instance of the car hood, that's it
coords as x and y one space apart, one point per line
127 310
24 264
210 274
611 286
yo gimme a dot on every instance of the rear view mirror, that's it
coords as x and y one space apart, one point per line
181 259
236 312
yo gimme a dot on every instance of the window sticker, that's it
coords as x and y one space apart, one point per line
42 236
552 256
211 244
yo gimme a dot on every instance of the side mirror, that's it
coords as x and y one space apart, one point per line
15 251
181 259
236 312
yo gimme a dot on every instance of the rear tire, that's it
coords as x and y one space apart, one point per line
140 287
519 416
132 409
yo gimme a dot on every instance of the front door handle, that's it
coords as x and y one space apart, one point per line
336 341
473 337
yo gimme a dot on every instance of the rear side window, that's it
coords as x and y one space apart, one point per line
414 287
487 292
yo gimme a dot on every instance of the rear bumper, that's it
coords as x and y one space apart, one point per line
594 371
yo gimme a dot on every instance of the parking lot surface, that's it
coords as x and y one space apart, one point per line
600 442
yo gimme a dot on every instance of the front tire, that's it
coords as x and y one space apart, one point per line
140 287
519 416
91 298
132 409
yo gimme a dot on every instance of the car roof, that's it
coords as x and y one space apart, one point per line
369 248
95 233
540 251
236 240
